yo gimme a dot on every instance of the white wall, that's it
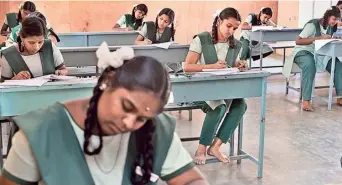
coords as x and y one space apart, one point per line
309 9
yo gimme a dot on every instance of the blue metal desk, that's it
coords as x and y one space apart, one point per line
84 39
18 100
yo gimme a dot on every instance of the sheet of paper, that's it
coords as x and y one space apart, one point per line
320 43
256 28
164 45
30 82
57 78
225 71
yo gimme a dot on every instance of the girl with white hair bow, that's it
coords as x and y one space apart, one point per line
117 136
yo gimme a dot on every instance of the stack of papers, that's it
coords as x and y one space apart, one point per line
164 45
225 71
35 82
320 43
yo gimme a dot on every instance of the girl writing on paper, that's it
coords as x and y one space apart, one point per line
162 30
118 136
13 19
310 63
32 56
130 22
217 50
262 19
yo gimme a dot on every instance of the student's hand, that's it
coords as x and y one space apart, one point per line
219 65
23 75
61 72
242 65
147 41
325 37
129 29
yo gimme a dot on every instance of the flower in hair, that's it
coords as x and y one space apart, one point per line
217 13
114 59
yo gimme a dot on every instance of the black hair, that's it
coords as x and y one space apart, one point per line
140 73
338 3
171 14
31 26
333 11
225 14
268 11
29 6
141 7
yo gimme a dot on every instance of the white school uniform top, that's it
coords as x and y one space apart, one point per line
22 164
33 62
221 51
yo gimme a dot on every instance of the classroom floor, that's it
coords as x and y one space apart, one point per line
301 148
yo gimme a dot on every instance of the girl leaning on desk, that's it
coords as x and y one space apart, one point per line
217 50
32 56
117 136
304 54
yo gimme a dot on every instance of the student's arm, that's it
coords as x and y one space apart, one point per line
59 61
271 23
247 25
6 181
194 55
178 167
142 37
307 37
20 166
117 28
7 73
190 177
4 31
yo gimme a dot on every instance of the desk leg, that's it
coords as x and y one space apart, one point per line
261 47
240 135
331 84
262 128
250 55
1 147
232 144
284 57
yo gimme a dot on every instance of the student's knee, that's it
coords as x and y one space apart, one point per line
241 105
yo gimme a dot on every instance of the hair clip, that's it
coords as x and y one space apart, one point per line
153 178
103 86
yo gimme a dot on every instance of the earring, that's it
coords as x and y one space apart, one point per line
22 47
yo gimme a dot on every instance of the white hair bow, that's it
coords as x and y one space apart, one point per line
217 13
114 59
135 5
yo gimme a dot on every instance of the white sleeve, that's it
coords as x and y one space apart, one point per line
6 70
249 19
196 45
122 21
20 161
178 160
143 31
57 55
308 31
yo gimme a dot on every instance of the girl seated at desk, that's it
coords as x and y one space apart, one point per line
304 55
262 19
217 50
32 56
130 22
162 30
50 34
13 19
118 136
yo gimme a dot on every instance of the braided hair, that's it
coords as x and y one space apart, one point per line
31 26
139 73
171 14
333 11
141 7
225 14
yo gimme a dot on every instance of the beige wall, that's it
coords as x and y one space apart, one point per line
191 17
